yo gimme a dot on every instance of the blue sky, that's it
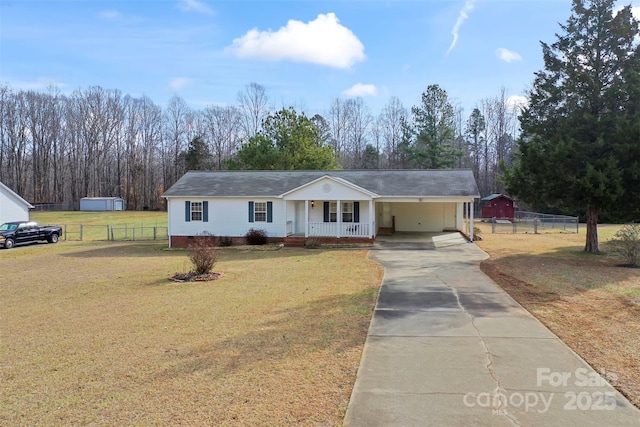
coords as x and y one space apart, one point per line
305 53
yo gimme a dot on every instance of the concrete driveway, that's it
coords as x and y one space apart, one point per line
448 347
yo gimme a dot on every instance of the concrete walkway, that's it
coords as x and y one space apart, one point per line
448 347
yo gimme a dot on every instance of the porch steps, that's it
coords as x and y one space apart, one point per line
294 241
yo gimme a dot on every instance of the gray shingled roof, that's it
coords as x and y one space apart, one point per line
385 183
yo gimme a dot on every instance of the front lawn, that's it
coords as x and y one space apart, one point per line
96 334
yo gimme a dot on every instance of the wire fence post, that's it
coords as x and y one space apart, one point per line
81 232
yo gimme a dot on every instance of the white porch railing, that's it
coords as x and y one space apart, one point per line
289 228
332 229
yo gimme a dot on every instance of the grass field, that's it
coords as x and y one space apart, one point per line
100 225
589 301
94 333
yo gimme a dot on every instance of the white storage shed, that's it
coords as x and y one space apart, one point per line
101 204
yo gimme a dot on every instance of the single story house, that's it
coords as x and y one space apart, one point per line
101 204
499 206
333 206
12 206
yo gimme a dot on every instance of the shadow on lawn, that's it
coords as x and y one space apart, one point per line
335 324
117 249
557 273
136 249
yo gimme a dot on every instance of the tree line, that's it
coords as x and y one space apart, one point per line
57 148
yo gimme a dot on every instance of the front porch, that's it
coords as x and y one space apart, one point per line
332 229
330 219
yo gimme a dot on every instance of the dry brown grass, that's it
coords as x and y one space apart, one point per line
590 302
96 334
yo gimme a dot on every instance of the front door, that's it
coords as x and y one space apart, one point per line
450 216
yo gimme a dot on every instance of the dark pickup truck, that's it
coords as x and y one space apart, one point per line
18 232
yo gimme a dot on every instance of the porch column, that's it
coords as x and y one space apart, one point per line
285 219
306 218
339 217
471 221
372 232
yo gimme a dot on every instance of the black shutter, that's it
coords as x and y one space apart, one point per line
187 211
326 211
250 211
356 211
205 211
269 211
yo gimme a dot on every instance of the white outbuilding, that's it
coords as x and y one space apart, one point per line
101 204
12 206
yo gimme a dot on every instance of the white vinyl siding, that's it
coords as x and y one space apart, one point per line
226 217
12 209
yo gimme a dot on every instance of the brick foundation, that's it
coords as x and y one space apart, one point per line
341 240
184 241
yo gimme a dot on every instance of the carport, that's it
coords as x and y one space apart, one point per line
424 215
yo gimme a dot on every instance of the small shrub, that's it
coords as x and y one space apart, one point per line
313 243
477 233
626 243
226 241
256 236
202 254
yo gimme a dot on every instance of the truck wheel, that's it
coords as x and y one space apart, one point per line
53 238
8 244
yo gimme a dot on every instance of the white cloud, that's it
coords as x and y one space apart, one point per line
195 6
179 83
322 41
507 55
110 14
462 16
360 89
517 102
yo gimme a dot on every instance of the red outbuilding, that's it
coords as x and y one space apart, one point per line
499 206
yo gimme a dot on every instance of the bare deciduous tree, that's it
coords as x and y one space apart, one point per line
390 124
253 103
222 131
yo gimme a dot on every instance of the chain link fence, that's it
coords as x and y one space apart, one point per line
534 222
117 232
53 207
